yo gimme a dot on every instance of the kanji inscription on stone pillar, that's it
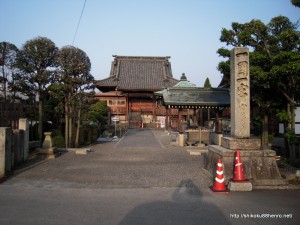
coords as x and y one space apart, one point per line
240 92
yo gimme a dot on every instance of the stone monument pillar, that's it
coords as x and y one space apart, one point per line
259 165
240 93
240 103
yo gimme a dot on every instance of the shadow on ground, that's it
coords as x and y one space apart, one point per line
186 207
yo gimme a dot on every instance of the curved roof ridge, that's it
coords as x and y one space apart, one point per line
141 57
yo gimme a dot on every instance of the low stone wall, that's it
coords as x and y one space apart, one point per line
14 146
5 151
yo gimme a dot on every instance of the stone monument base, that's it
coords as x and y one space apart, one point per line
259 165
240 186
48 153
241 143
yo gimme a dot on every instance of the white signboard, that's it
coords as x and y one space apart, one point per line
115 119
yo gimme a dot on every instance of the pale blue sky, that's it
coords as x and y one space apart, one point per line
186 30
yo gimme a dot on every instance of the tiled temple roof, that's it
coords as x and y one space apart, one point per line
138 73
187 94
197 97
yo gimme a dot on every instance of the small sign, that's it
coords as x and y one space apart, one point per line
115 119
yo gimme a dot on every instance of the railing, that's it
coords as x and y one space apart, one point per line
198 136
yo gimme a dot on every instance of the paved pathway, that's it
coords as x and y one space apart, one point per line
139 180
140 139
141 158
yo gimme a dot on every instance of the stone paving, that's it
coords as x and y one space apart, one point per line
142 158
139 180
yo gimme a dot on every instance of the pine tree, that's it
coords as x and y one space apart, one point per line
207 83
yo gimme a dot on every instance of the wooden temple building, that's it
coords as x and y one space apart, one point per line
142 92
129 89
189 106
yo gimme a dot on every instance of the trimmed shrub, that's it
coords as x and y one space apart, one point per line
59 141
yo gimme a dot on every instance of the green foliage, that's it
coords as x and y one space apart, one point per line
261 60
224 68
75 66
223 52
74 79
98 112
284 75
55 81
207 83
283 116
260 80
59 141
254 34
290 136
35 61
100 106
35 57
96 117
274 61
296 3
56 97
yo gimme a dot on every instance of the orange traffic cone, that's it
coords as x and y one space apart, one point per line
238 174
219 185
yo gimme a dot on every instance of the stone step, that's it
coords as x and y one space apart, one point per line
280 187
270 182
240 186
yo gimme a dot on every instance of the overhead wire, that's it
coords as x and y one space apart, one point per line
79 22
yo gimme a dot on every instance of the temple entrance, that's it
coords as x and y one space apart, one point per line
142 113
137 108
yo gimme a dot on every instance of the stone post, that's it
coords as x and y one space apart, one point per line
48 149
24 125
5 150
47 141
240 92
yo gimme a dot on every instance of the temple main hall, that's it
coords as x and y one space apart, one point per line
142 92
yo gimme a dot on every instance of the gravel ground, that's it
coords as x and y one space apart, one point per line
142 158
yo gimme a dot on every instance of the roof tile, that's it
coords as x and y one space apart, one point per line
139 73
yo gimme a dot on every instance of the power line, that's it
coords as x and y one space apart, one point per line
79 21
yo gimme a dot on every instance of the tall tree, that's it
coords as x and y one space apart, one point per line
274 61
36 61
8 53
75 78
